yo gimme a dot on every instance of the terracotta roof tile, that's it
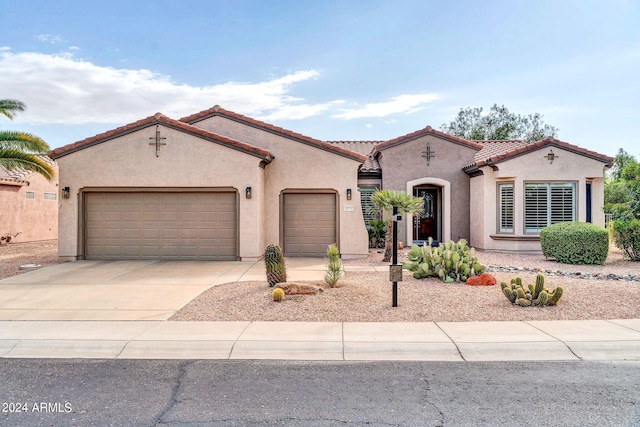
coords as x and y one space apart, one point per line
512 149
493 148
426 131
219 111
20 176
361 147
160 118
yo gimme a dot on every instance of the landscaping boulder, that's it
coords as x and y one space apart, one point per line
299 289
484 279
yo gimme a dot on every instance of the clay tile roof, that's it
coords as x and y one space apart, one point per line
20 176
426 131
371 165
362 147
160 118
504 150
493 148
219 111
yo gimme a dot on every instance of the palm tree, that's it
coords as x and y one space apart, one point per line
21 150
386 200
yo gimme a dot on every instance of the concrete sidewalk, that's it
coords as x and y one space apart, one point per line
118 309
441 341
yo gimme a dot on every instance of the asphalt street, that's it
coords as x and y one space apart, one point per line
60 392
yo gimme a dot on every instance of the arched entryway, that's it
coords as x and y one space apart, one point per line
435 221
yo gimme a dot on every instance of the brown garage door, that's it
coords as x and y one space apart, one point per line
158 225
309 224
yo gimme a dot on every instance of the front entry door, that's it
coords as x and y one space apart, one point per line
426 223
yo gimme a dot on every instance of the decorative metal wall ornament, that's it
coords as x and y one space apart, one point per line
157 138
551 156
428 153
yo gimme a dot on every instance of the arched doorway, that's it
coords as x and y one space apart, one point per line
438 193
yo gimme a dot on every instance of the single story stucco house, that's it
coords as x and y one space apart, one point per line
218 185
29 204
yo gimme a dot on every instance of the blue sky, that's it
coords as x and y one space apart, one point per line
333 70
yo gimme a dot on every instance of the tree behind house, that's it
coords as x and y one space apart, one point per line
499 123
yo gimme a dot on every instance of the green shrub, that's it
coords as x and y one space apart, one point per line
377 230
626 236
334 266
575 243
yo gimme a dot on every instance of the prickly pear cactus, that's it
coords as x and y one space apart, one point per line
274 262
533 295
450 261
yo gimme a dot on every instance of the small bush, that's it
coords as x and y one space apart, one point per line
626 236
334 266
575 243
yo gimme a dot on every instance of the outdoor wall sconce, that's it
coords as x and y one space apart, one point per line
247 192
66 192
551 156
348 194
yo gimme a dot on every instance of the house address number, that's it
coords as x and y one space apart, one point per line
349 208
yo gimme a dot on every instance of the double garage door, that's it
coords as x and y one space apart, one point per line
161 225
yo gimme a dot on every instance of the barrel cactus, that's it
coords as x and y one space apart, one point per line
450 261
274 262
277 295
533 295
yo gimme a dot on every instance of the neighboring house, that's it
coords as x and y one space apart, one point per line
218 185
29 205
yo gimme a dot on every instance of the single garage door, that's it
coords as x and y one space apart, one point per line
161 225
309 224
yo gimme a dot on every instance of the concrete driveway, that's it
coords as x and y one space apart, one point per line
127 290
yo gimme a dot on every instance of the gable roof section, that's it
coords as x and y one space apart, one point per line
500 151
423 132
221 112
156 119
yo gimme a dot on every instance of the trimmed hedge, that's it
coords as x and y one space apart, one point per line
626 236
575 243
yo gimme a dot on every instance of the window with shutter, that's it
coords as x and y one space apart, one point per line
369 210
505 208
548 203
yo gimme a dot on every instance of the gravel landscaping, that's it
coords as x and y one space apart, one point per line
14 255
609 291
366 297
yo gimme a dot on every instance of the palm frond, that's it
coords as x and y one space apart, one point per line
9 106
15 140
386 200
12 159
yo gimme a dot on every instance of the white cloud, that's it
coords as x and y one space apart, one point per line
4 48
62 89
405 104
50 38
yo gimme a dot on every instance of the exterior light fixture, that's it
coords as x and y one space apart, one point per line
66 192
348 194
247 192
551 156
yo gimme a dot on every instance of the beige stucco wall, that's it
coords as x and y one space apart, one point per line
404 163
35 219
298 166
567 167
184 162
